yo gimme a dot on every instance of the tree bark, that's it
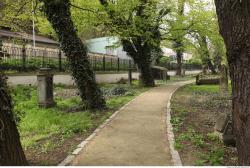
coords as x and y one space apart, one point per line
205 53
179 57
142 57
141 47
58 14
146 75
234 22
178 42
224 79
11 152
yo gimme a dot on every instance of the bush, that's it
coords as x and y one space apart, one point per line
195 61
165 60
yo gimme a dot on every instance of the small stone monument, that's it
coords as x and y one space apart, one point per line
224 130
45 88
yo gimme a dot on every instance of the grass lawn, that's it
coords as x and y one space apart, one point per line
49 135
194 110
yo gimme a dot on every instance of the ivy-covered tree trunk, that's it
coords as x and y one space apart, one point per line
11 152
234 22
58 14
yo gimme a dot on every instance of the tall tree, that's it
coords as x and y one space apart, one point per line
137 23
204 35
234 22
11 152
178 37
204 51
59 15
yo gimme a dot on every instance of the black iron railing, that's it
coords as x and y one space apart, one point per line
29 59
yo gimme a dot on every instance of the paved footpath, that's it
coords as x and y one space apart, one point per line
137 136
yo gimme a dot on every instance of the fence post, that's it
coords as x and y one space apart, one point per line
1 50
24 58
118 64
111 64
130 74
95 67
60 60
43 61
104 63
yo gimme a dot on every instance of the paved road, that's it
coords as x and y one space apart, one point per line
67 80
137 136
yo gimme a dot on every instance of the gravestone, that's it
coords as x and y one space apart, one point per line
221 122
223 128
45 88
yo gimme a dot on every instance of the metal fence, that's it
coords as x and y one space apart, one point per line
29 59
187 66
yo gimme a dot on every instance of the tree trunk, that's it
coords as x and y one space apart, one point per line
179 56
11 152
178 42
210 65
58 13
146 75
234 21
142 57
205 53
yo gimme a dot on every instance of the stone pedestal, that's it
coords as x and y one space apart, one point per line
45 88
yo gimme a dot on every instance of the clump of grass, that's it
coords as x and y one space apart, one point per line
192 137
214 157
38 124
189 101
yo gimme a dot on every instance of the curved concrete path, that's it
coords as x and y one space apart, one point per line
137 136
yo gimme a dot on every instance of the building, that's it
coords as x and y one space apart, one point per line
102 46
12 39
172 54
108 46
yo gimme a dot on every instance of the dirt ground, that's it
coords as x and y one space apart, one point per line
194 119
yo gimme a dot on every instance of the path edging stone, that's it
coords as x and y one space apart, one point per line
176 159
68 160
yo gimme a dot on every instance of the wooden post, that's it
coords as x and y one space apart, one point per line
1 50
24 58
118 64
43 62
130 74
60 60
104 63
